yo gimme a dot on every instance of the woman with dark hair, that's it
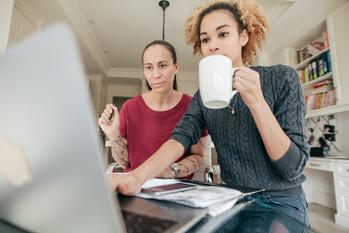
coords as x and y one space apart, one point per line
146 121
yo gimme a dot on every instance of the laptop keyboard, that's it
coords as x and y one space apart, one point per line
137 223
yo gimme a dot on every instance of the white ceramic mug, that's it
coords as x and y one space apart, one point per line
216 81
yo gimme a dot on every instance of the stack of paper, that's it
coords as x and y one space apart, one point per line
216 199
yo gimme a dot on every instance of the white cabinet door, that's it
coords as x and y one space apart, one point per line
338 33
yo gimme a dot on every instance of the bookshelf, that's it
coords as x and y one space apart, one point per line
336 50
304 63
308 53
309 84
327 110
313 63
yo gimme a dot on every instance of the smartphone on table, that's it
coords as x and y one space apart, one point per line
168 188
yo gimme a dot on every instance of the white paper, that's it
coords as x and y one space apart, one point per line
220 208
216 199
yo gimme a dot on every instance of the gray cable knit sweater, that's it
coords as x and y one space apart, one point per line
241 153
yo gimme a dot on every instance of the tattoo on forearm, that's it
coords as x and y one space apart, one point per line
119 151
190 163
182 172
194 162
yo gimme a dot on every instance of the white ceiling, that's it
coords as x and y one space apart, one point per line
113 33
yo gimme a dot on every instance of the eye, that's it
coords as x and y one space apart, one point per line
163 65
148 68
223 34
204 40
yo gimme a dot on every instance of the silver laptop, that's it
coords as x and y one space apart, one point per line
51 170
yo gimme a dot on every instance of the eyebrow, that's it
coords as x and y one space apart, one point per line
156 62
218 28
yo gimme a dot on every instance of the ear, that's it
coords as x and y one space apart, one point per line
177 65
244 37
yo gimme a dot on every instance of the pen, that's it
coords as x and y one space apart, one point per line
111 115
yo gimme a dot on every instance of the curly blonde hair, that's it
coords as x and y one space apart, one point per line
248 16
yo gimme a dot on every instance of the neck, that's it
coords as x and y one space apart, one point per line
238 63
162 101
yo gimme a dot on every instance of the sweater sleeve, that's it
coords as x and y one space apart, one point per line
290 111
192 125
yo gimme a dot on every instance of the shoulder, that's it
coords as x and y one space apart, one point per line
279 77
186 98
184 102
132 103
279 72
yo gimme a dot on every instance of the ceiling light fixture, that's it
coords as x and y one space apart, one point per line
163 4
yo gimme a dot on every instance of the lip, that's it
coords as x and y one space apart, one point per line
158 84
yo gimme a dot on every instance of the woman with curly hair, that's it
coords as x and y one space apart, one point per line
263 144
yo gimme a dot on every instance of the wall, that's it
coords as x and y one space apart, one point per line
188 82
123 87
97 91
342 121
6 9
24 22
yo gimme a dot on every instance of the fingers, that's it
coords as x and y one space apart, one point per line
104 119
246 79
108 114
111 108
123 189
128 189
112 180
102 122
115 182
247 74
240 83
114 107
123 183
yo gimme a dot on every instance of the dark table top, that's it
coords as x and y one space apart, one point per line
244 217
251 217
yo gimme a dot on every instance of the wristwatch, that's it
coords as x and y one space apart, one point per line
176 168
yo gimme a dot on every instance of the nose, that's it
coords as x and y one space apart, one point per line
213 47
156 73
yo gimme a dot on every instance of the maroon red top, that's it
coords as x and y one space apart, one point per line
146 130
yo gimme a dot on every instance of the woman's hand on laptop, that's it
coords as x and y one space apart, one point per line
125 183
109 122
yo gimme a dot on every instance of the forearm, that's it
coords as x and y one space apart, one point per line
167 154
190 164
274 138
119 151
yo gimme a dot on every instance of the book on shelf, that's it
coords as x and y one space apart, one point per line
319 87
317 68
321 99
306 52
313 68
325 39
313 47
324 83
